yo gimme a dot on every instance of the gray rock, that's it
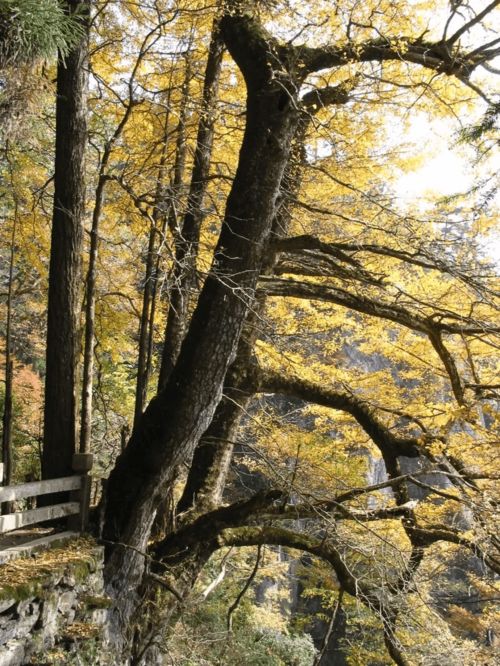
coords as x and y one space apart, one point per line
67 602
12 654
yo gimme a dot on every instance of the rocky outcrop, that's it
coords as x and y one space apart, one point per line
53 609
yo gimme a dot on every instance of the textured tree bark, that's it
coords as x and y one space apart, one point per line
9 369
65 258
212 457
7 430
175 420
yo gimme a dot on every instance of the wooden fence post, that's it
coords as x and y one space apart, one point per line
82 465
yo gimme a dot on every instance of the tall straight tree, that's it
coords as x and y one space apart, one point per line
65 257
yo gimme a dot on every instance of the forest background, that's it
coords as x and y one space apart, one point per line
319 355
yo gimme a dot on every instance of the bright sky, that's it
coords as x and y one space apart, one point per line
450 170
447 174
447 170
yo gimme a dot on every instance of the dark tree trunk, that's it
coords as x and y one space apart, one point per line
144 333
212 457
88 352
9 369
6 477
175 420
65 258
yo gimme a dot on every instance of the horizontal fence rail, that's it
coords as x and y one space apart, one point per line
76 507
36 488
12 521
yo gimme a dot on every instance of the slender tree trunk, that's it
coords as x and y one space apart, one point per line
332 624
9 367
147 295
6 507
88 352
183 288
65 258
7 422
146 325
173 330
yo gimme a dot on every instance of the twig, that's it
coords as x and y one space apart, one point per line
243 590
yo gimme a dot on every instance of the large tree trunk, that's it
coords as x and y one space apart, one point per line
213 455
65 258
175 420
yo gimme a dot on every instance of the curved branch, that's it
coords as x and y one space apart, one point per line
344 252
431 55
434 533
450 365
334 511
393 312
314 263
386 441
277 536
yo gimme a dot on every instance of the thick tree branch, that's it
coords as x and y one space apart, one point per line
345 252
386 441
391 311
277 536
436 56
331 510
450 365
198 534
434 533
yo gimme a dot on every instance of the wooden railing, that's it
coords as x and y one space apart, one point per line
76 508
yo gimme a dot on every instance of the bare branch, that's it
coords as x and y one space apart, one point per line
474 21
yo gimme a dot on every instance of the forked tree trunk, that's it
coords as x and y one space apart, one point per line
185 287
212 457
65 257
158 227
